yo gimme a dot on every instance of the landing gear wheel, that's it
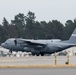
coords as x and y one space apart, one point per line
37 54
33 54
10 51
42 54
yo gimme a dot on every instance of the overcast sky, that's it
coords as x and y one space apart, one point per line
45 10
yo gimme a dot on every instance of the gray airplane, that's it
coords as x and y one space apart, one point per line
39 47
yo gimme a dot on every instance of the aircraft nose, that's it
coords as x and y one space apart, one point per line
2 44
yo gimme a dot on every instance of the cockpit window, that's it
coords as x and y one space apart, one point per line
9 40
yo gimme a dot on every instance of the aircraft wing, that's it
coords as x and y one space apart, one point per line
32 44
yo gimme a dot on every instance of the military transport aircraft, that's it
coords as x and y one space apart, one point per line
39 47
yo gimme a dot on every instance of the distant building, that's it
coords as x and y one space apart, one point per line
71 51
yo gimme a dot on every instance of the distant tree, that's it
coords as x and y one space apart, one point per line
37 30
75 23
6 28
44 30
26 27
30 17
56 29
30 22
2 34
69 27
19 23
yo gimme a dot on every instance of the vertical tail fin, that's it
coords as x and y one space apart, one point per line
73 37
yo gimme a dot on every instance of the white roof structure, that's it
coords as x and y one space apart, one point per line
3 49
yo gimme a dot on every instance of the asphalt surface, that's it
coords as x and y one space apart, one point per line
34 60
38 71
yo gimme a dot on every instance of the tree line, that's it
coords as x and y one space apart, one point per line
28 28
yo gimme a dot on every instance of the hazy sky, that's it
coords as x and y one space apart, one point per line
44 10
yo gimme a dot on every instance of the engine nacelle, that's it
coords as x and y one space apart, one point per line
27 49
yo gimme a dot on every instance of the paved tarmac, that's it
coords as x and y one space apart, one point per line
34 60
38 71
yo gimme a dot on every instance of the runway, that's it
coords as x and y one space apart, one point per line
34 61
38 71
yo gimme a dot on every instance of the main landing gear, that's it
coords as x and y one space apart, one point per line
37 54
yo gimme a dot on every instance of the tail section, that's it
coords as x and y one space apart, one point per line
73 37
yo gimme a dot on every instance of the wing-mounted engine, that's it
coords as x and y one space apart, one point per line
27 49
35 45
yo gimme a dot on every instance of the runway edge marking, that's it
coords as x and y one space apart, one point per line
38 66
